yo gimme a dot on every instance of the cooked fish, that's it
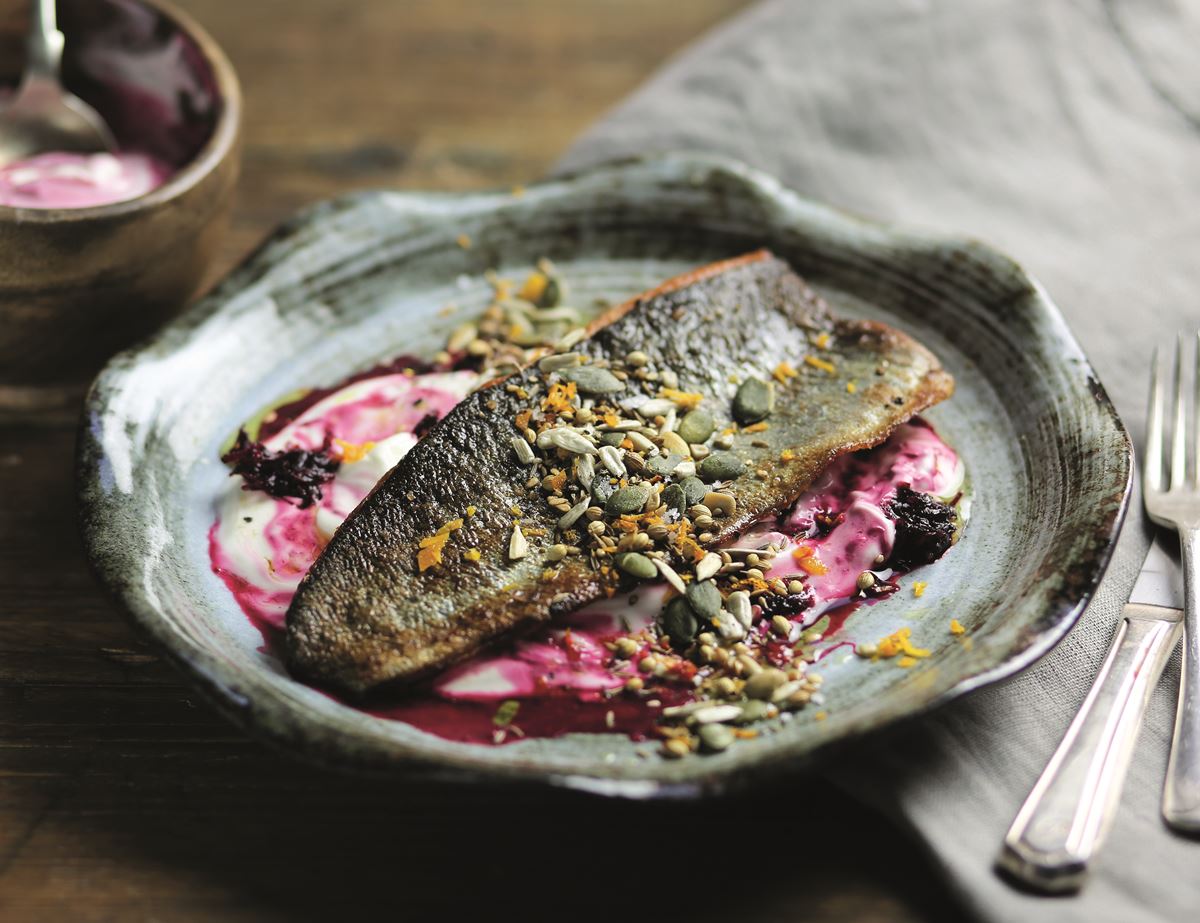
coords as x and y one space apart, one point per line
404 589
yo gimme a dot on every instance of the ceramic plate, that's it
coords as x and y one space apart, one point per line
353 281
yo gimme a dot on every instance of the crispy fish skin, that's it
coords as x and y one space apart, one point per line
365 619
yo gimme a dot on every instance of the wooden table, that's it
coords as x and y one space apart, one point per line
123 796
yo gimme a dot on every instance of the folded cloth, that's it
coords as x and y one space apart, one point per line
1068 135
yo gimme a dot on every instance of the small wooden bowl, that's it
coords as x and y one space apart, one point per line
78 284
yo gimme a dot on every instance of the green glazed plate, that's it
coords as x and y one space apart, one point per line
356 280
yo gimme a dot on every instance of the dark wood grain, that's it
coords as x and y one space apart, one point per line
124 797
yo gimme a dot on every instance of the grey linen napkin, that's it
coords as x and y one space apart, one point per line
1068 135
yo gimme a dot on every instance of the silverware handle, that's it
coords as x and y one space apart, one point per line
1069 811
44 46
1181 793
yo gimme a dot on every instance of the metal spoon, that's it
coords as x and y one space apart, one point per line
42 116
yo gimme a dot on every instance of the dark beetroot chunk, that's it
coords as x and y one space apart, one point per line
924 528
788 606
294 473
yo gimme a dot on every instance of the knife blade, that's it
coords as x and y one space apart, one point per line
1160 581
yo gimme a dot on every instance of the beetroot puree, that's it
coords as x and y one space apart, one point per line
562 678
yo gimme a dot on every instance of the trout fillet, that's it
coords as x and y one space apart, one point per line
367 617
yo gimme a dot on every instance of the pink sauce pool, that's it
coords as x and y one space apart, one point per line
562 678
71 180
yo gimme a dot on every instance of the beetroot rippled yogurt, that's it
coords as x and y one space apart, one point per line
71 180
564 677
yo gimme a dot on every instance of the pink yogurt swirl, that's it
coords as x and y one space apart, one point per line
68 180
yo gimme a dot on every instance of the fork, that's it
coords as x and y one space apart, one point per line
1172 498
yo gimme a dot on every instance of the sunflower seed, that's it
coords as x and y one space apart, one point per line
572 515
716 714
738 604
563 437
524 454
610 457
641 443
518 547
728 627
685 469
655 407
670 576
585 471
461 337
558 361
708 565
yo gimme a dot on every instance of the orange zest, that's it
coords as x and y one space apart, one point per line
807 558
685 400
351 452
430 547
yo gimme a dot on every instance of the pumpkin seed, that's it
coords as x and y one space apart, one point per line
551 294
715 737
694 490
705 599
762 685
679 623
602 489
591 380
663 465
754 710
675 498
627 500
720 466
696 426
613 439
636 565
754 401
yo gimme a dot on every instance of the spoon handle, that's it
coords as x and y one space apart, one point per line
44 46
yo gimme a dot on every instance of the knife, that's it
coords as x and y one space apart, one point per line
1068 813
